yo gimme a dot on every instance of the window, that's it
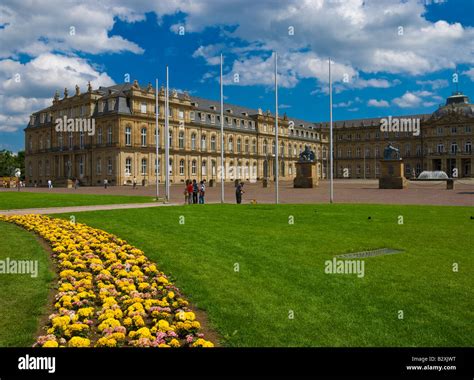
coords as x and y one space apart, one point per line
128 166
254 146
246 145
181 140
109 166
213 143
101 106
181 167
128 136
468 147
203 142
181 114
203 117
60 141
143 136
407 150
467 129
377 152
143 166
349 153
358 152
192 115
440 130
418 150
98 167
454 147
70 140
367 152
81 140
170 166
204 168
264 147
273 147
109 135
193 167
440 148
99 136
454 130
231 144
81 166
156 136
83 110
157 166
239 145
143 107
111 104
193 141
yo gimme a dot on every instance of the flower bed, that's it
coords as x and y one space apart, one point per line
109 293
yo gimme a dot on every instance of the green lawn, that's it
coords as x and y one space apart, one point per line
281 270
22 298
17 200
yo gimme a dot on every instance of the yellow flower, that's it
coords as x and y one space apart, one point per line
79 342
50 343
174 343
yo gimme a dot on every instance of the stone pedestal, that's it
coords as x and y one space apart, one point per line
392 175
306 175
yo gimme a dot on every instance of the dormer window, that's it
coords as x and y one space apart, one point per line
143 107
245 113
213 107
42 118
203 117
229 110
191 115
101 106
111 104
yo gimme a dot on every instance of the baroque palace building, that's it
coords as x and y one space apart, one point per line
121 146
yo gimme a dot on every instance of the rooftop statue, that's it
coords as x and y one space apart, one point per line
391 153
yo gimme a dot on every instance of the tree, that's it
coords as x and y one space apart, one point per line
9 162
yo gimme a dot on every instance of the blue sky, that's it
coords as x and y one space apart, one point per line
390 57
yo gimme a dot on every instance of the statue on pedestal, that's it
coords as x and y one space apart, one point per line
307 155
391 153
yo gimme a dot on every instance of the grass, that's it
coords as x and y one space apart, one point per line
22 298
10 200
281 270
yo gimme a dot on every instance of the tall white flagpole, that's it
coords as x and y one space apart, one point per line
167 139
157 141
222 135
276 131
331 185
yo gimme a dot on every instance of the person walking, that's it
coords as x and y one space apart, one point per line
202 191
134 183
239 190
195 191
76 184
106 182
186 194
50 184
190 192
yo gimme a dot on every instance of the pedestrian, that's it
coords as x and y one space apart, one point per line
239 190
202 191
195 192
190 192
106 182
134 183
76 184
186 194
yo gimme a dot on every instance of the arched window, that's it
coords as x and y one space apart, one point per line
144 166
128 166
193 167
143 134
128 136
213 167
99 136
193 141
181 140
246 145
254 146
204 168
239 145
231 144
181 167
109 135
264 146
203 142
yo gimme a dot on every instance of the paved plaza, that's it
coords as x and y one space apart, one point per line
345 191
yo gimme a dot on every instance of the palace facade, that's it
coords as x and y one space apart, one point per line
122 146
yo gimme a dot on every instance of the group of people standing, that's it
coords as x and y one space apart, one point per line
193 192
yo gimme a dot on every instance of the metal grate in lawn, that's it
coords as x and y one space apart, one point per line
375 252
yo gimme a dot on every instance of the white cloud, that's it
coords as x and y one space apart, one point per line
38 80
415 99
377 103
470 73
435 84
34 28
